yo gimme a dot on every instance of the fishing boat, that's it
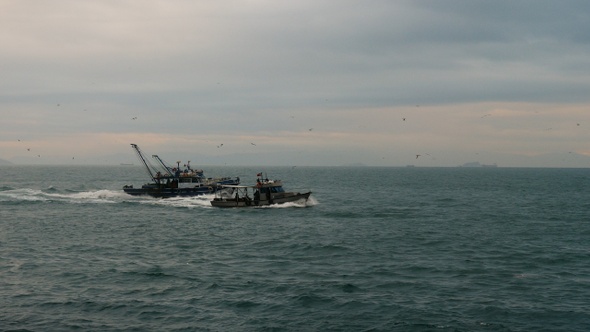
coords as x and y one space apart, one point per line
265 192
169 181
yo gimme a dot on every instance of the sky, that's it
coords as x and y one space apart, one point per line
313 83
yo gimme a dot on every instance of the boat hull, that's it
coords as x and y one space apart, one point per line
161 191
168 192
285 198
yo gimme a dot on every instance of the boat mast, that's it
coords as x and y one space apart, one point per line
145 163
155 156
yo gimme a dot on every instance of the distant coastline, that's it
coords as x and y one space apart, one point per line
477 164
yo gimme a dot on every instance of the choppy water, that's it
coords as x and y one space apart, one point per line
377 249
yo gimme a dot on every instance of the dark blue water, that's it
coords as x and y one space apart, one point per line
376 249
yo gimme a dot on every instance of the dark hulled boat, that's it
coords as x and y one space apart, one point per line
168 181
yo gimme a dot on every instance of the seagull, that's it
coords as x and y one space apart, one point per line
418 155
253 144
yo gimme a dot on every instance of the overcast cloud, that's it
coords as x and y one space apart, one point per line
296 83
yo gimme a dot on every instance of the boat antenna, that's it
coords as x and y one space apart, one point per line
144 161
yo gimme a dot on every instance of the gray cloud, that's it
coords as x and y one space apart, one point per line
182 66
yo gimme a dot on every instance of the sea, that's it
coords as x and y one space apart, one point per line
374 249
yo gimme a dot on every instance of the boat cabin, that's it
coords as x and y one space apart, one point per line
263 193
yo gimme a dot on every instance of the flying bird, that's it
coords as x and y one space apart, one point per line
310 129
134 118
220 145
418 155
253 144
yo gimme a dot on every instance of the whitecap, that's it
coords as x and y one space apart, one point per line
98 196
311 201
202 201
25 194
296 204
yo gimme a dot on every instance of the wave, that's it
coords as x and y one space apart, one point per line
201 201
204 201
311 201
104 196
99 196
53 195
22 195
